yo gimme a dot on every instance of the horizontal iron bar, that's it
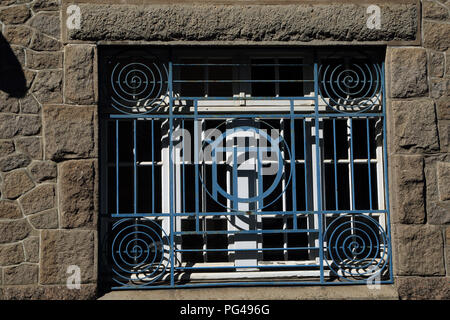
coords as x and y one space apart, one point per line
238 115
252 249
246 231
252 266
241 81
242 64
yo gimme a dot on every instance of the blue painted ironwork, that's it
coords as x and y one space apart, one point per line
344 243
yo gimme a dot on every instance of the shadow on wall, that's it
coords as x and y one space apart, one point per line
12 78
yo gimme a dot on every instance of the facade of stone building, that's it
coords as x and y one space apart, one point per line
49 126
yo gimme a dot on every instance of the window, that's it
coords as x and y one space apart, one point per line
243 166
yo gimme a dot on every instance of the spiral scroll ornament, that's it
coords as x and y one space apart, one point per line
140 251
356 247
138 87
354 87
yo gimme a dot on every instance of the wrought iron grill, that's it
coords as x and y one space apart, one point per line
225 171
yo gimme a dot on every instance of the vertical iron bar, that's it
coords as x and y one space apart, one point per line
153 168
336 192
117 166
196 153
319 185
293 174
368 162
352 167
171 175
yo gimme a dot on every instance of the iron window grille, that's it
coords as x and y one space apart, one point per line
243 167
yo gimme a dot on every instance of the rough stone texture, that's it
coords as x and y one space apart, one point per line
15 14
12 125
79 74
44 60
419 250
438 212
439 88
41 42
16 183
31 146
303 22
408 72
436 35
69 132
434 11
444 135
409 204
9 210
443 108
43 170
77 193
29 104
443 175
47 23
62 248
14 230
18 35
46 5
423 288
11 254
31 246
33 292
41 198
14 161
8 103
414 126
45 220
6 147
436 62
21 274
47 86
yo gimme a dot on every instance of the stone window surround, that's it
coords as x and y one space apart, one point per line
418 158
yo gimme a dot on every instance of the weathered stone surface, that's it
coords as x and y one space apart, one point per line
46 5
34 292
423 288
434 11
6 147
16 183
77 196
14 230
30 75
29 124
443 177
447 249
11 254
8 104
414 126
21 274
444 135
79 74
31 146
14 161
41 42
12 125
43 170
62 248
438 212
419 250
18 35
443 108
408 72
9 210
439 88
8 126
29 104
436 35
202 22
41 198
409 195
69 132
45 220
47 86
15 14
47 23
31 246
44 60
436 63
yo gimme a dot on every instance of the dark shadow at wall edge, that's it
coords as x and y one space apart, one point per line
12 77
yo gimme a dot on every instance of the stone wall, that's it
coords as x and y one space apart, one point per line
48 126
